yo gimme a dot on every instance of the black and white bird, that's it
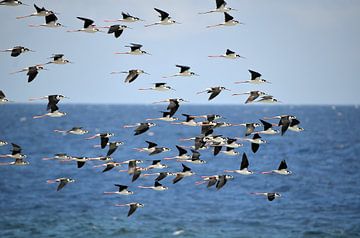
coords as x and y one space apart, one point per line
40 12
2 143
126 17
17 50
165 117
157 150
174 104
62 182
160 175
270 196
54 111
157 186
151 147
60 157
162 87
250 127
184 71
219 180
294 125
108 166
123 190
50 21
141 127
156 164
267 99
282 169
268 130
52 99
88 26
214 91
220 7
15 153
133 206
195 158
254 79
3 98
252 95
181 156
229 21
165 19
132 74
32 71
229 54
113 147
74 131
243 167
284 122
11 3
256 141
189 121
58 59
117 30
186 172
104 138
135 49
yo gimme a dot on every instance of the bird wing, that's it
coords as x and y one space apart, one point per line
244 162
254 147
80 164
217 150
229 52
136 175
61 185
2 94
228 17
161 176
181 150
118 33
177 178
285 123
112 148
32 74
220 3
266 125
249 129
121 187
103 141
163 15
156 151
294 122
254 74
51 18
16 51
108 167
252 97
87 22
271 196
151 144
185 168
173 107
53 108
195 155
212 182
221 182
183 68
282 165
132 209
16 149
141 129
214 93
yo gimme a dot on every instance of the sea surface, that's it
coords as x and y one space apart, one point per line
320 199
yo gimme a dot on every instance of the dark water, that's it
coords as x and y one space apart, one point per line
320 199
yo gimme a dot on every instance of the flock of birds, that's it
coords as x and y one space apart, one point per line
205 140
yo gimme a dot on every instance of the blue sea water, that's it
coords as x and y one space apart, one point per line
320 199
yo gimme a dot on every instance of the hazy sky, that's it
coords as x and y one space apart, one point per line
309 50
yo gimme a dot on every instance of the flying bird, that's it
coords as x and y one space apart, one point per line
252 95
157 186
174 104
220 7
166 117
12 3
50 21
88 27
184 71
181 156
135 49
141 127
74 131
270 196
214 91
126 17
15 153
32 71
54 112
267 99
131 74
165 19
229 21
284 122
159 87
255 142
117 30
104 138
254 79
58 59
185 173
282 169
133 206
40 12
62 182
17 50
268 130
123 190
3 98
243 167
229 54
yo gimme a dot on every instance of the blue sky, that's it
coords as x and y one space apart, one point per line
309 50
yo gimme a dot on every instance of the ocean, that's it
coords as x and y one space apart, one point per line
321 198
